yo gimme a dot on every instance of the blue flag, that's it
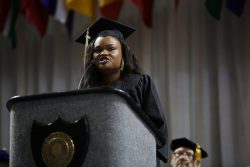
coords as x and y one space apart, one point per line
236 6
50 5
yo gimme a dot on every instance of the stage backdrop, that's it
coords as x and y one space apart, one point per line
200 65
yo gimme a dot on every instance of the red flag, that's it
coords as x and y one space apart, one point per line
36 14
110 8
177 4
146 9
4 11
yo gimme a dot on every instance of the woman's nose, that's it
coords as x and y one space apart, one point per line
104 52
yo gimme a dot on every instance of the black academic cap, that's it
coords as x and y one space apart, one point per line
184 142
4 156
103 24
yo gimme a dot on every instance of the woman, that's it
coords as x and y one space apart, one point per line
109 62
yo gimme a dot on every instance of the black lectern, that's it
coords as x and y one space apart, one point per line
117 133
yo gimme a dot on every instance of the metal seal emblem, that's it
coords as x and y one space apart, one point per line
58 150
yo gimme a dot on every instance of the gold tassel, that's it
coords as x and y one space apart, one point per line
198 152
87 37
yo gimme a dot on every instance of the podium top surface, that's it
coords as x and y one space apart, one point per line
104 90
107 90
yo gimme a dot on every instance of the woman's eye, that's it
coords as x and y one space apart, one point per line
111 48
97 50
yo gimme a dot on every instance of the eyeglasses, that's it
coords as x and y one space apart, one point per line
189 156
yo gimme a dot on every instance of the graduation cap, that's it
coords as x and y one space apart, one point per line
4 156
184 142
105 27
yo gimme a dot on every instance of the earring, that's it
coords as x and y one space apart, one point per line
122 65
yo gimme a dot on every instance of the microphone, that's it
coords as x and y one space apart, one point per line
92 62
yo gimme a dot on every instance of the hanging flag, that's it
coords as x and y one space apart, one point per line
177 4
10 24
50 5
236 6
57 8
146 9
214 7
61 12
86 7
36 14
110 8
4 12
64 16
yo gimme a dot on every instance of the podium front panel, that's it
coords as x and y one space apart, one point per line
118 137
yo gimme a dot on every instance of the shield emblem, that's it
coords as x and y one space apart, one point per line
60 144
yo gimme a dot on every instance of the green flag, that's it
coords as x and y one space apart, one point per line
214 7
15 7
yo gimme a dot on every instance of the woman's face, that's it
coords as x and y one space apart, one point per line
107 54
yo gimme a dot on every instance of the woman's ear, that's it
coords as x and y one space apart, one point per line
122 65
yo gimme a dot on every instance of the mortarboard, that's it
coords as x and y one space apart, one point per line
4 156
184 142
105 27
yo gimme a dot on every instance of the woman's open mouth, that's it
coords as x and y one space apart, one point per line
103 60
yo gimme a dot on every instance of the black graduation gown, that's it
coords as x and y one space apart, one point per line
142 90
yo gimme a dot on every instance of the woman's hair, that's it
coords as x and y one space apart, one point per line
92 76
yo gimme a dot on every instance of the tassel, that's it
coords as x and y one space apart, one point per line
198 152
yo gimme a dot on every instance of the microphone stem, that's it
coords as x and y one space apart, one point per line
86 69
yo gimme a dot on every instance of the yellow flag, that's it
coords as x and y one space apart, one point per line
86 7
105 2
